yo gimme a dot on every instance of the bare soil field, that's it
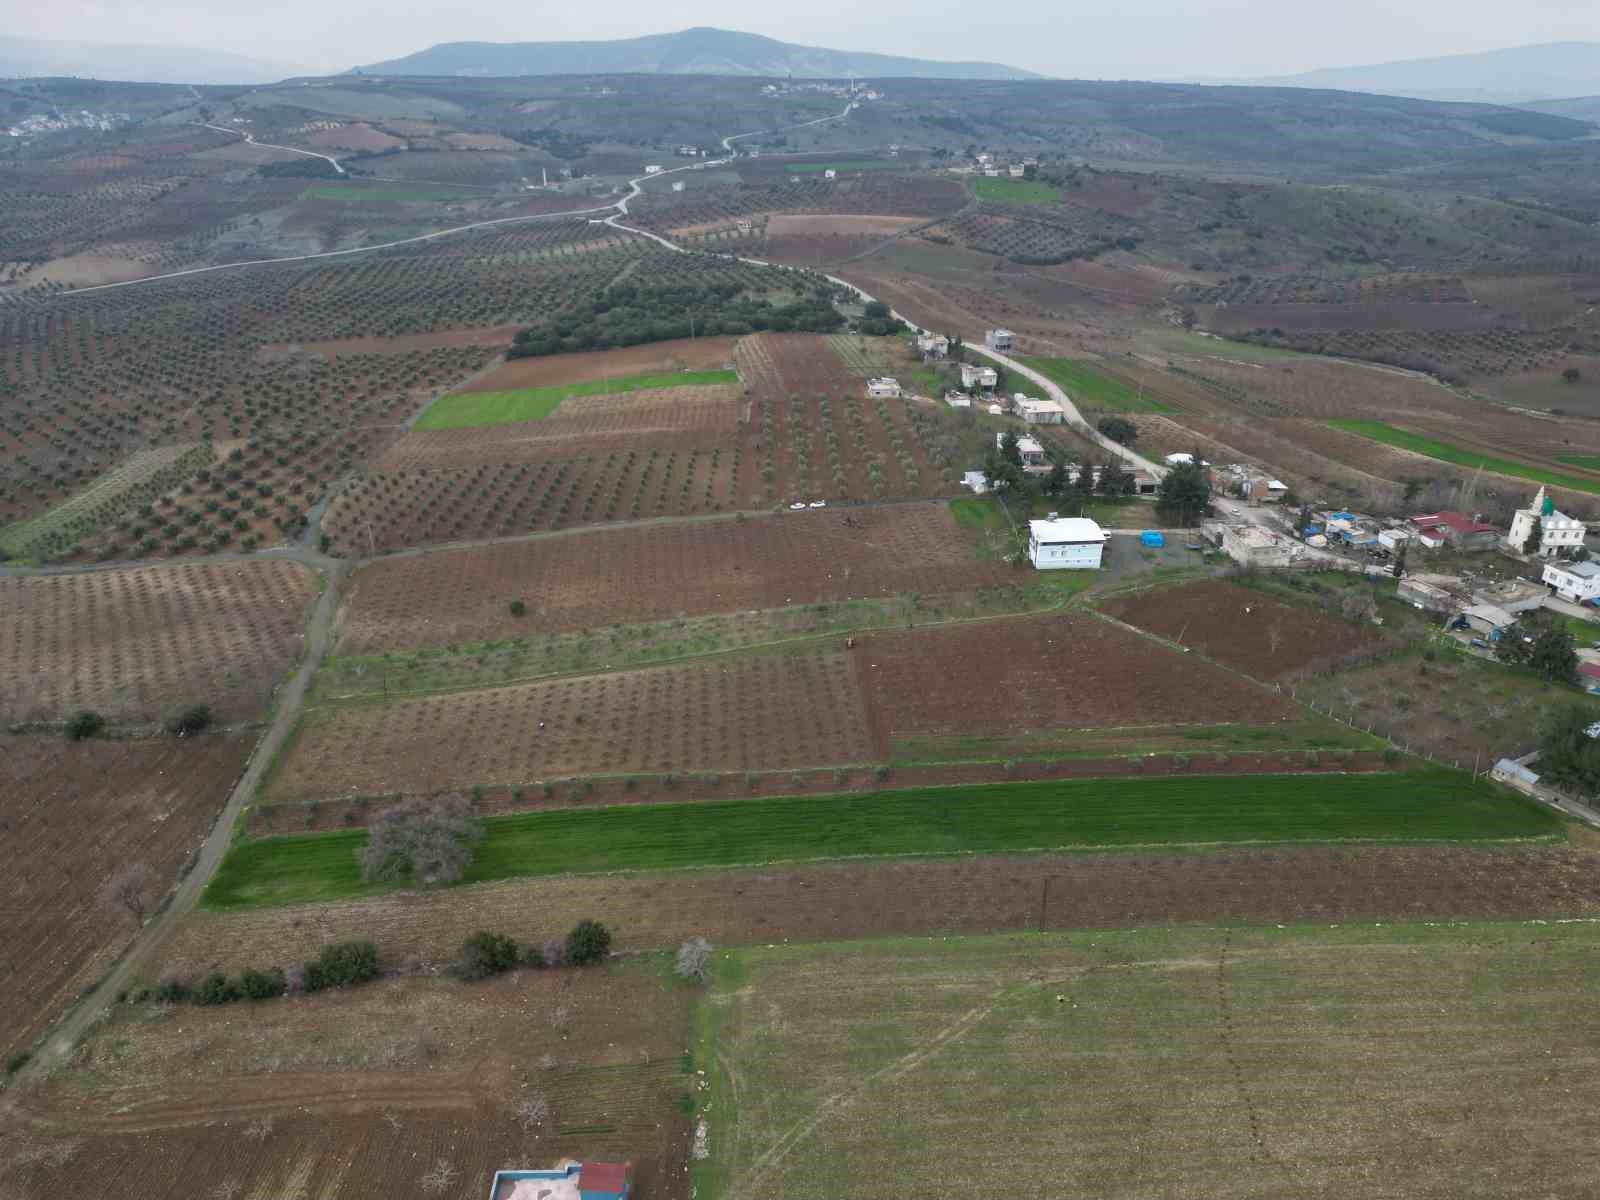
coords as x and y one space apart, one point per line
138 643
745 712
75 816
1245 629
671 418
813 240
1014 686
359 137
590 579
369 1091
972 895
685 354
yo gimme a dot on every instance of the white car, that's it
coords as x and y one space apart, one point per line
818 504
797 504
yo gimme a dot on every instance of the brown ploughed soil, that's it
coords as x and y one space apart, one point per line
692 354
136 644
1244 629
649 572
75 815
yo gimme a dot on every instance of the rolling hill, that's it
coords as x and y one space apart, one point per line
701 51
25 58
1520 75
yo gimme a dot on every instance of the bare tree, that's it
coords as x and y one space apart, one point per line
440 1176
694 960
226 1190
532 1111
430 840
131 888
258 1129
1274 636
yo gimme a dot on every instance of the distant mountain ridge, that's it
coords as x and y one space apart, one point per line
25 58
700 51
1520 75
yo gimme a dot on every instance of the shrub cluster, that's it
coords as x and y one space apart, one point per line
343 965
485 954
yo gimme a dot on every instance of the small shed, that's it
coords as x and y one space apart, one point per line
1152 537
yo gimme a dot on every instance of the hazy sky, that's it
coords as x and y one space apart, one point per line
1090 38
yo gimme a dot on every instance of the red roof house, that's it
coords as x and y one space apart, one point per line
1457 529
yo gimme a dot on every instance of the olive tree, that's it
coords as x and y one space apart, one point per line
429 840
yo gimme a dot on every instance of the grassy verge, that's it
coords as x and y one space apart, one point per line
1016 191
875 164
466 409
1423 805
380 194
1444 452
1090 389
1589 462
1312 733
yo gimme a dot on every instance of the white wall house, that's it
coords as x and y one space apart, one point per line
1031 449
999 339
933 345
980 377
1559 533
652 170
1039 412
885 387
1576 582
1065 544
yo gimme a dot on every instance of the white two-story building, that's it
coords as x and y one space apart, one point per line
1578 583
1065 544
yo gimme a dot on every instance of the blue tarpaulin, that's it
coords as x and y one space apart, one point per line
1152 537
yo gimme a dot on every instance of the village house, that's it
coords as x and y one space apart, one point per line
1145 484
999 339
652 170
1017 170
885 388
1258 547
569 1181
1577 583
1559 534
1426 596
958 400
1071 543
933 345
1455 529
980 377
830 173
1038 412
1032 452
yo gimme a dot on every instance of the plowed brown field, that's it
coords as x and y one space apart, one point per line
743 713
650 572
1010 686
843 900
73 816
1244 629
133 644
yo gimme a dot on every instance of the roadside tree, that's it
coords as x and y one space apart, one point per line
1569 757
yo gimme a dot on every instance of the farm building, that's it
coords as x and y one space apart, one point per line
1258 547
1145 484
1490 620
569 1181
1456 529
1559 534
1425 596
678 185
958 400
1017 170
1393 539
933 345
999 339
652 170
1268 491
976 481
1183 460
1039 412
1575 582
1032 452
1515 774
830 173
981 377
1071 543
886 388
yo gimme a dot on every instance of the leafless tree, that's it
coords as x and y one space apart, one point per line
440 1176
131 889
392 1120
1274 636
226 1190
430 840
560 1017
532 1111
694 960
258 1129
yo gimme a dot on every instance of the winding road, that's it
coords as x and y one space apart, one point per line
250 140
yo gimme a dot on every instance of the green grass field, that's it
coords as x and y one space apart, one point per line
463 410
875 164
1423 805
1090 389
1444 452
1589 462
1308 1061
1016 191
